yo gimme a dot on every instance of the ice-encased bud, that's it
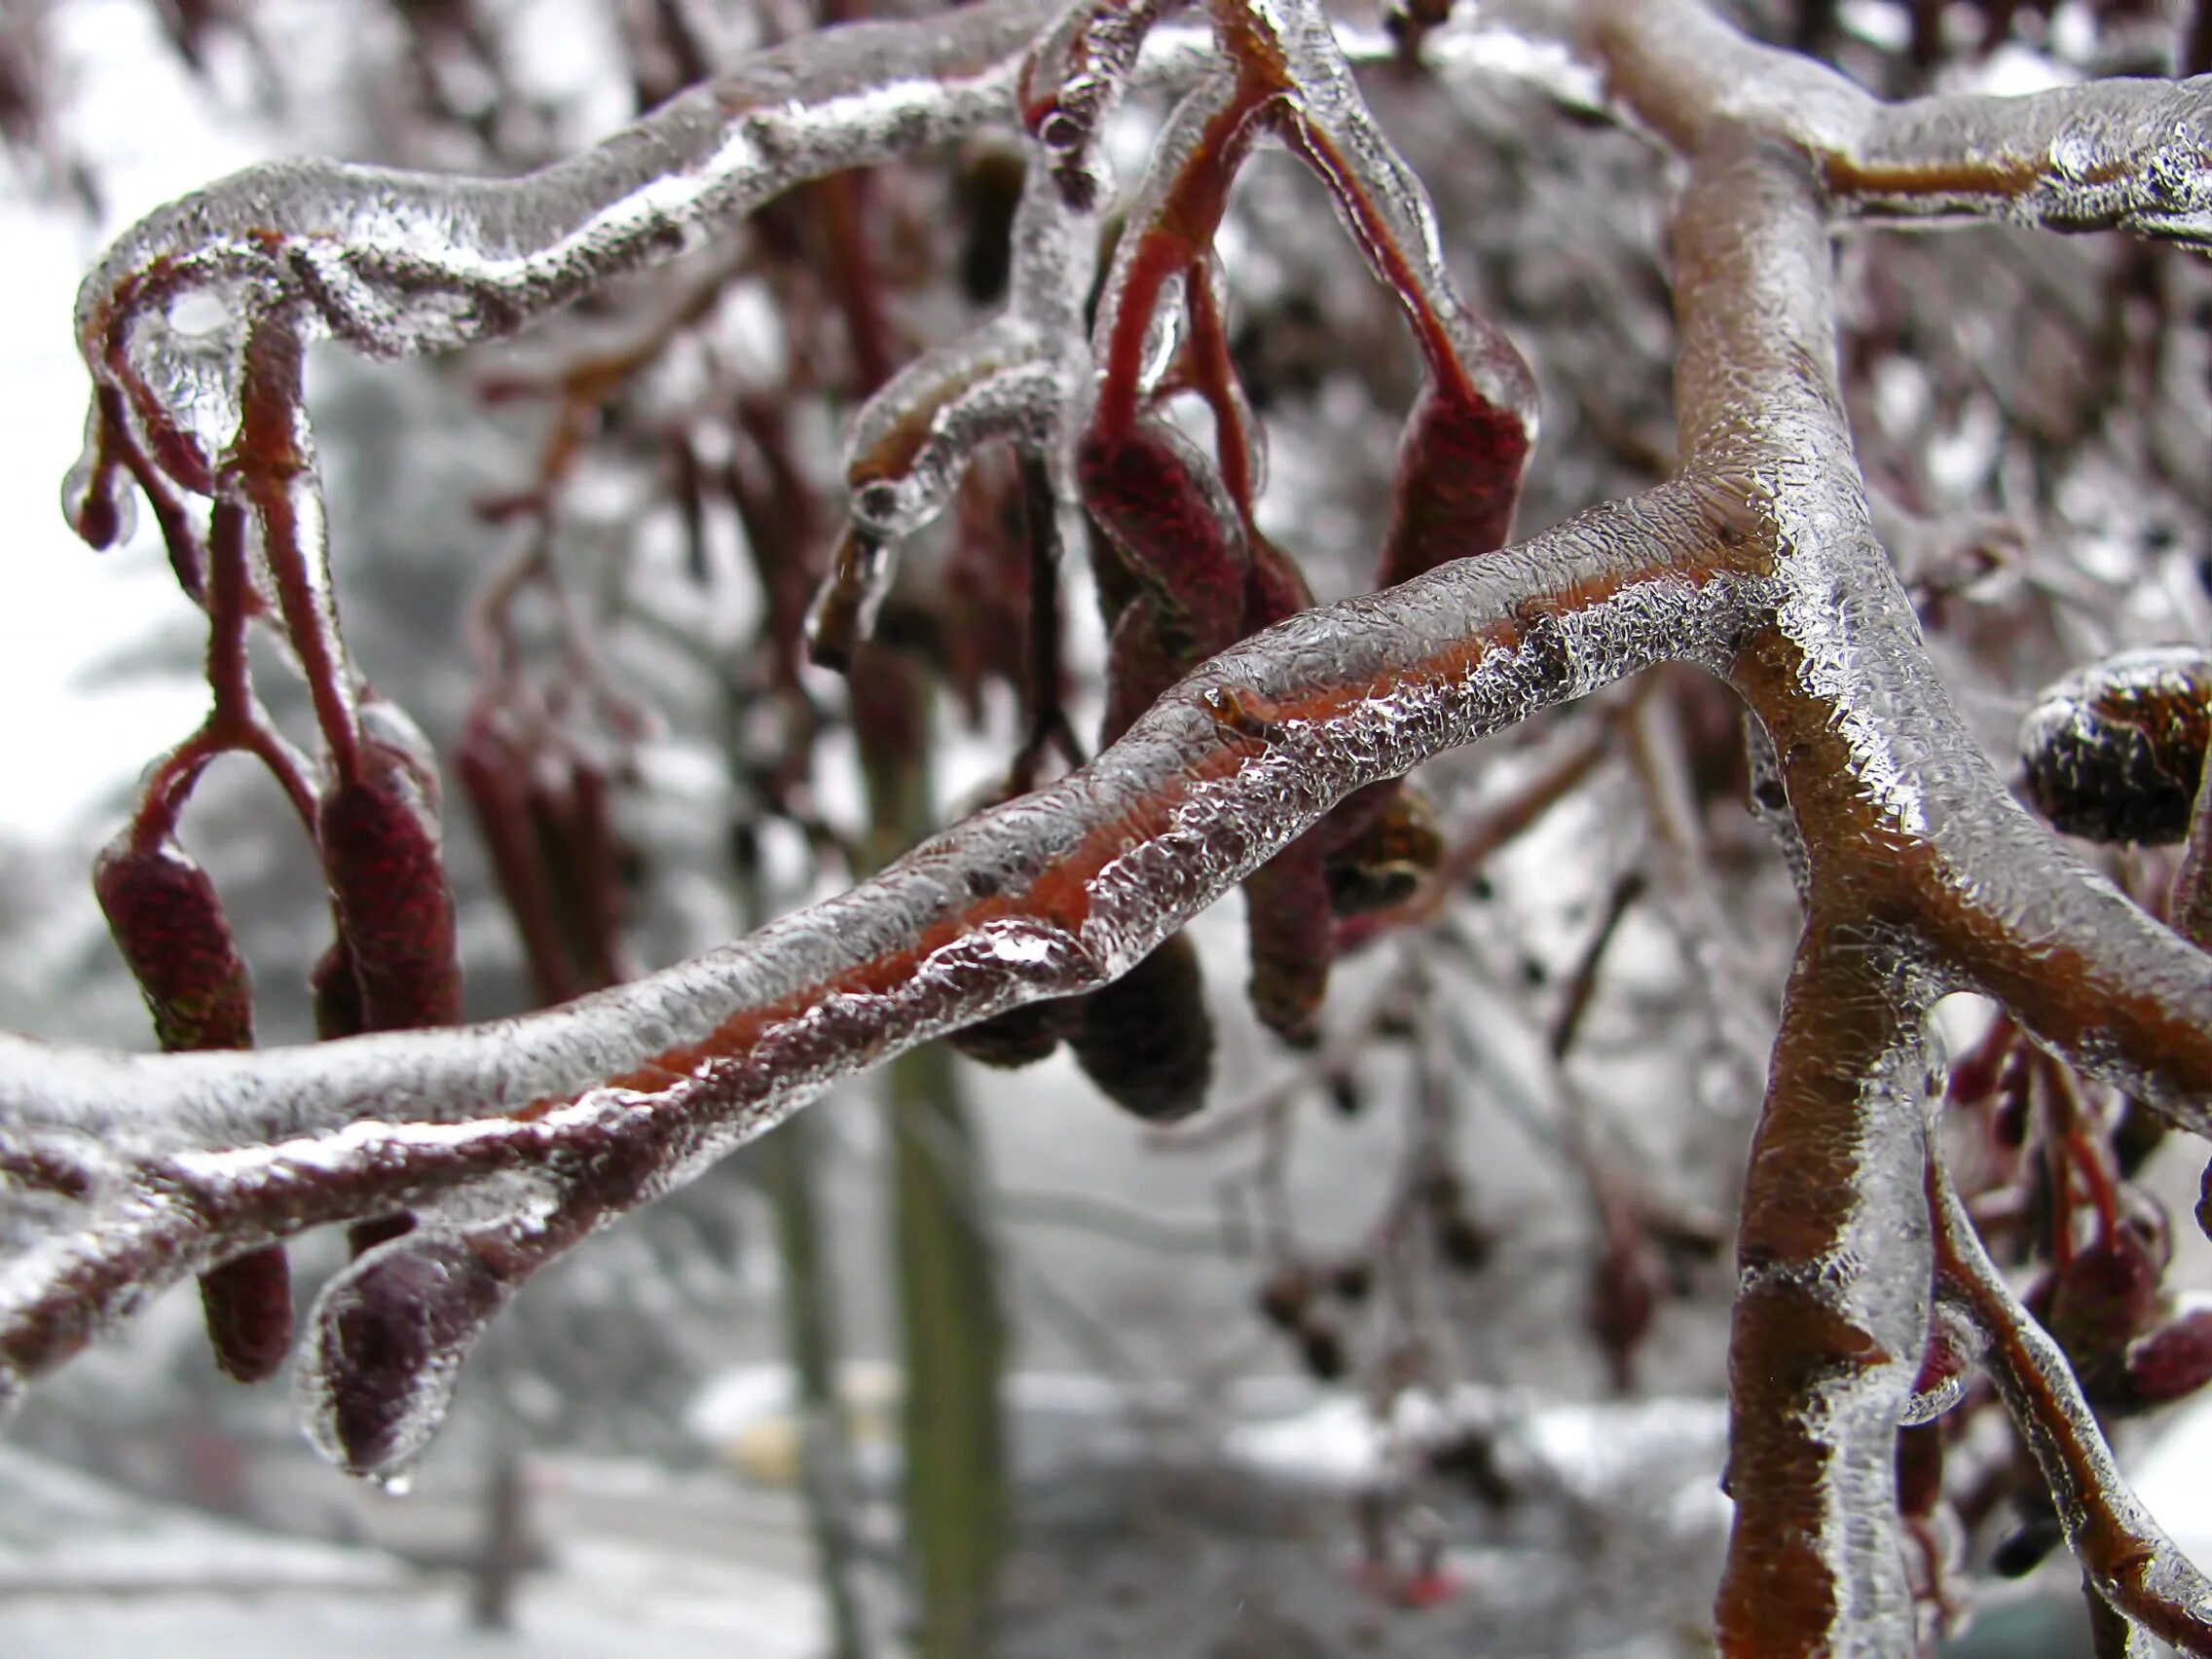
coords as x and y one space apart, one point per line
96 496
384 1347
2113 752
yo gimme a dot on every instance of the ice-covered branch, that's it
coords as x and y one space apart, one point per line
2129 155
1832 1310
1756 562
193 1158
2125 1553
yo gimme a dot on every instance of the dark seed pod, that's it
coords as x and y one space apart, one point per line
1346 1097
2139 1133
1147 1039
1323 1349
337 993
383 858
1623 1303
365 1235
1470 1457
1293 937
1021 1036
1464 1243
169 922
247 1306
987 193
1285 1296
494 774
2114 752
2029 1547
1352 1278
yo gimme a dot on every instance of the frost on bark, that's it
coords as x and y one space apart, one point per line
1252 738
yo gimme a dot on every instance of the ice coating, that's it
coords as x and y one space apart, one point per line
2114 752
1018 379
2134 155
397 264
1757 562
2132 1564
386 1343
1082 68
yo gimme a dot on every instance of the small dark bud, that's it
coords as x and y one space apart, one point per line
1352 1278
1285 1295
2114 752
1323 1349
1021 1036
1464 1242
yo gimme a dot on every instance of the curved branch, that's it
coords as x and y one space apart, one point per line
1049 896
2124 1554
1831 1311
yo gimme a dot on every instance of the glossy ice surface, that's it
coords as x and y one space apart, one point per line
1757 563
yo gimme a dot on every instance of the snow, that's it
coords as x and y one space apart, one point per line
89 1571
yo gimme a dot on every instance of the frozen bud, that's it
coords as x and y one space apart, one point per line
844 609
386 1341
1942 1379
2114 752
96 495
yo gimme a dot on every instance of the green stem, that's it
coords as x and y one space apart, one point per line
810 1332
951 1327
787 1162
